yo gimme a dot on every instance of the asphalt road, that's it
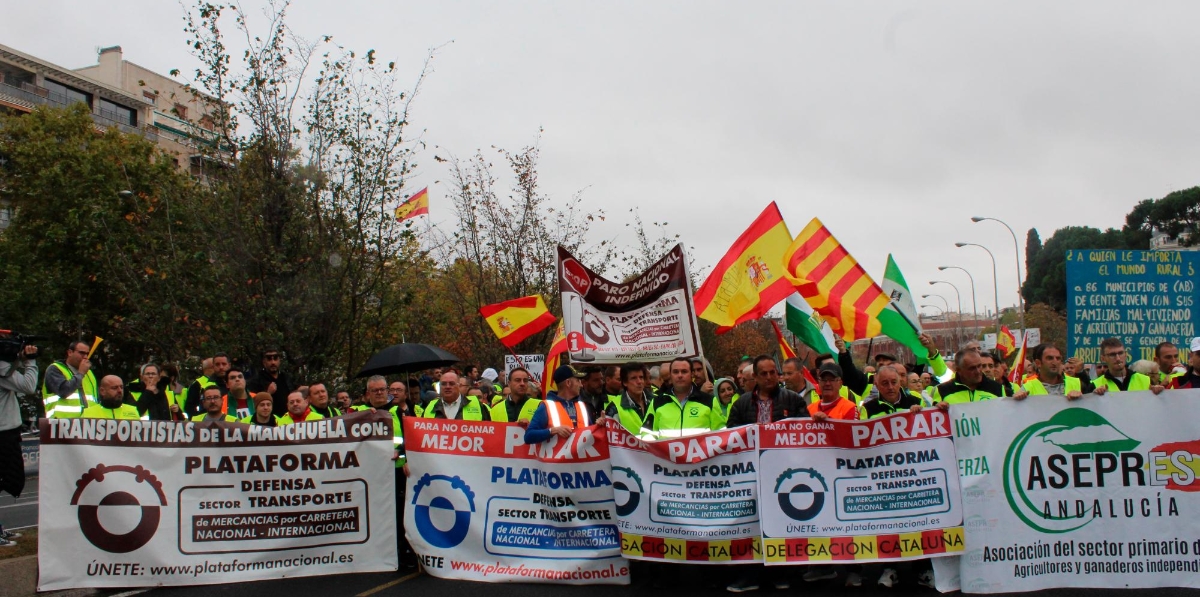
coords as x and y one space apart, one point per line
692 584
18 513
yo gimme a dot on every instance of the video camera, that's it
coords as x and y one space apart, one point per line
12 344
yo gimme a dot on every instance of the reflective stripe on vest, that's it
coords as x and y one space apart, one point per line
559 417
72 406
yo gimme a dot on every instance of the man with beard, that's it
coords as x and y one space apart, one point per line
271 380
214 407
111 404
195 392
263 405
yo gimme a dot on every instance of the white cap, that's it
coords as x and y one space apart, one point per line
1196 344
489 374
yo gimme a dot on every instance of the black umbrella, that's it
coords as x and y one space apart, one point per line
406 358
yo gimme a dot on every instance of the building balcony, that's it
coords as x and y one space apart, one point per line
30 96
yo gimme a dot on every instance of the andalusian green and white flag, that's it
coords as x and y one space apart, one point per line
808 326
899 320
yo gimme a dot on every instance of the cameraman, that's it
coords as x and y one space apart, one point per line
17 377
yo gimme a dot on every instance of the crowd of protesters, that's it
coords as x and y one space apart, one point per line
647 399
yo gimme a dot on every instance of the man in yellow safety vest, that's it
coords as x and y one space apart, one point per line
69 386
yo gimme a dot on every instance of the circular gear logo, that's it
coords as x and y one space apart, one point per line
627 490
119 506
443 509
801 493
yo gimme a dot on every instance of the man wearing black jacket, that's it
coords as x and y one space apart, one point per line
770 401
273 381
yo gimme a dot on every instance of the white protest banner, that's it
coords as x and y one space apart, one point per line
885 489
648 318
691 499
483 505
148 503
534 363
1100 492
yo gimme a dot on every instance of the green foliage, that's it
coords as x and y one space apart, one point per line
99 243
1046 281
1177 215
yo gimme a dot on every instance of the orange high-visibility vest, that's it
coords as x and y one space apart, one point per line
557 413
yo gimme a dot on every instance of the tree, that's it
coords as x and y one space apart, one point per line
1052 324
102 240
300 226
1177 215
1047 278
1033 246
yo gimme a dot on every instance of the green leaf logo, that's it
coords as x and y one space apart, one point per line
1074 431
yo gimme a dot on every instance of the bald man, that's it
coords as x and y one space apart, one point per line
112 401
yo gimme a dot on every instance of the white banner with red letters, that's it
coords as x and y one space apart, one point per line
151 503
692 500
483 505
881 490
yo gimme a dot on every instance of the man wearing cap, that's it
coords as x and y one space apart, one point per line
831 405
263 415
1190 378
451 405
563 411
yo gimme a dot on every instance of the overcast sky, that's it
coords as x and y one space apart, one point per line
892 122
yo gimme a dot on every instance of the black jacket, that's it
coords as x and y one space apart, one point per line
786 404
153 403
856 381
283 386
878 406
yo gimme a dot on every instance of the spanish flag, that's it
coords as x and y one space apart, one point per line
785 349
554 358
749 279
834 283
417 205
518 319
1006 342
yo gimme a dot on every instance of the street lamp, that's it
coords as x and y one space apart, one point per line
935 307
925 296
958 316
956 293
974 304
1017 253
995 280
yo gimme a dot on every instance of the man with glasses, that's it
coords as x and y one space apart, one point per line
1118 377
69 385
213 403
273 381
398 393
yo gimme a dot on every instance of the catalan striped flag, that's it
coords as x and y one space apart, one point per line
747 281
836 286
417 205
518 319
558 347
